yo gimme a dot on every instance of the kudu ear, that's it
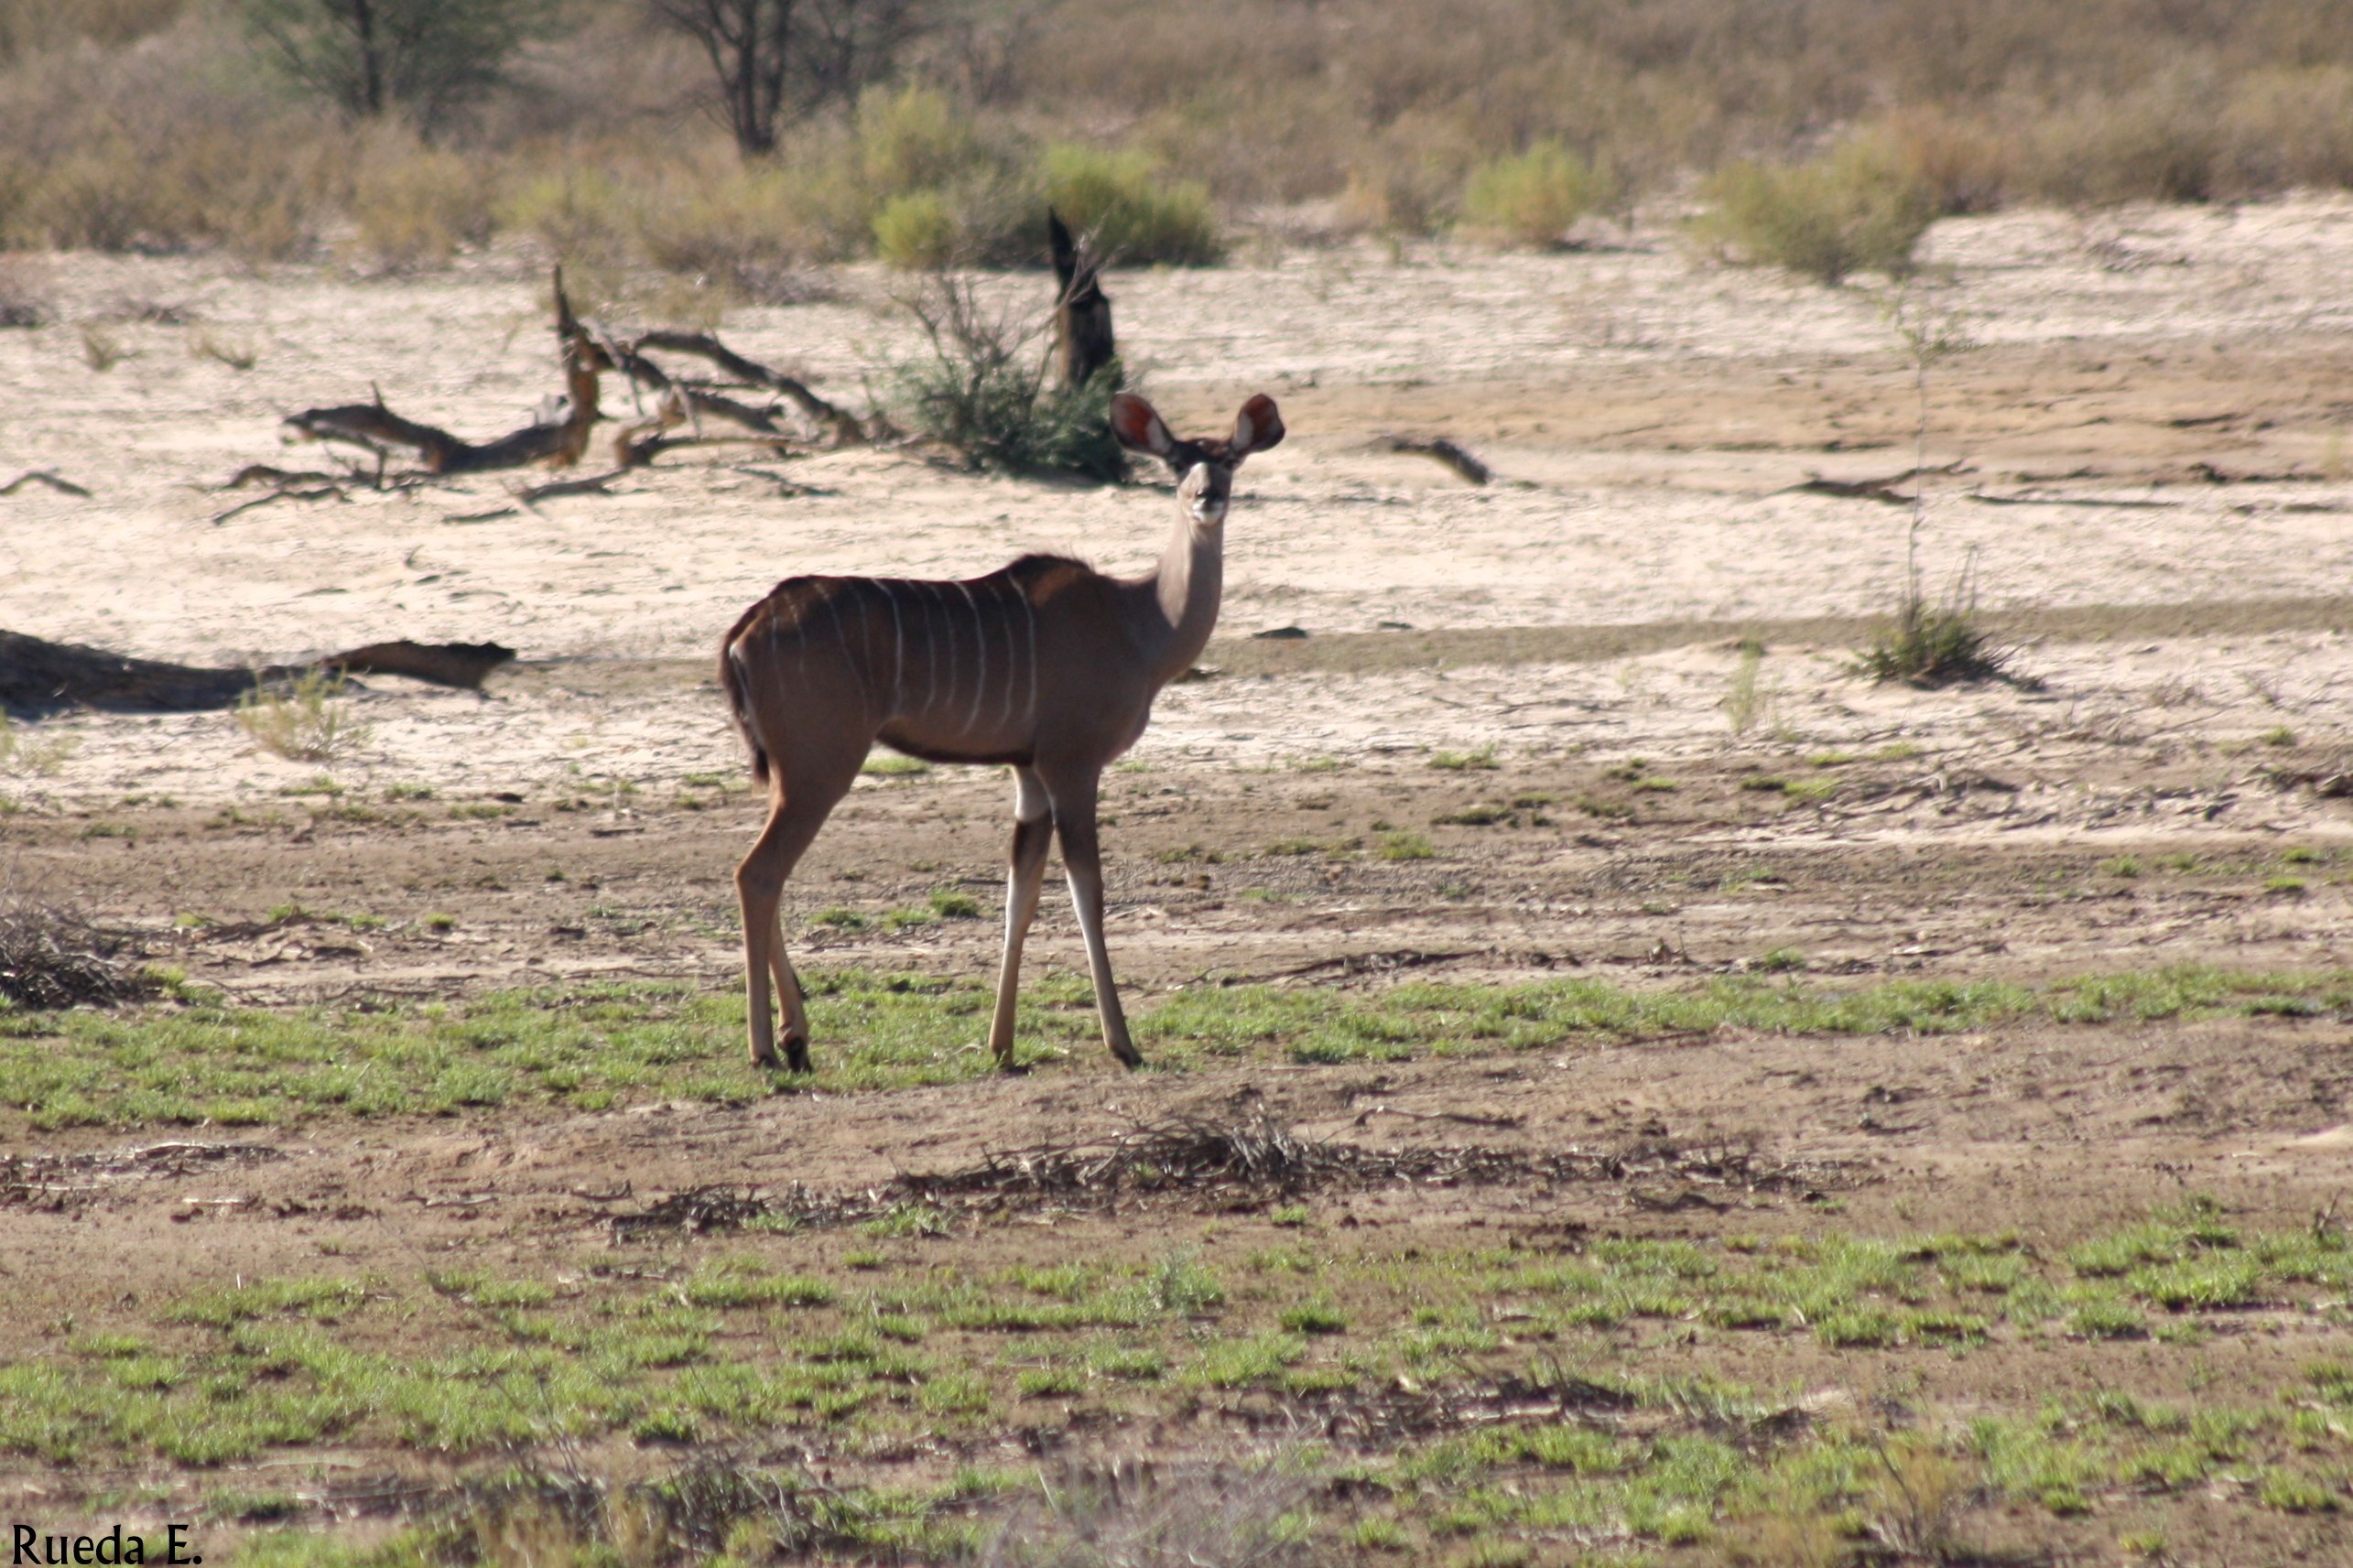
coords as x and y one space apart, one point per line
1256 427
1139 429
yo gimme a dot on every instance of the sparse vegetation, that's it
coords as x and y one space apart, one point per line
599 1046
306 718
1858 208
981 389
1131 212
1531 198
163 126
52 955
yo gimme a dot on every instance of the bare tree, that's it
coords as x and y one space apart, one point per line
779 61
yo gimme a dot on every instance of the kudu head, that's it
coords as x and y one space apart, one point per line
1204 468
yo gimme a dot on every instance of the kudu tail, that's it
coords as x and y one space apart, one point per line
739 695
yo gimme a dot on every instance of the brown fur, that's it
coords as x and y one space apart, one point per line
1044 664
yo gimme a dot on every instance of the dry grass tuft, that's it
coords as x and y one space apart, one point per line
307 720
1139 1514
1913 1497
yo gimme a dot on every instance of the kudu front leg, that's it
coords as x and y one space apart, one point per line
1082 863
1025 874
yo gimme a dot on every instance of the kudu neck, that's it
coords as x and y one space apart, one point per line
1186 589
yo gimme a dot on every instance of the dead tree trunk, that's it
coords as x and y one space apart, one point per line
38 677
1082 312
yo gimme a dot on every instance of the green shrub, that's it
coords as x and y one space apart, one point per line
1930 645
913 140
1858 208
981 391
1135 216
1532 198
914 230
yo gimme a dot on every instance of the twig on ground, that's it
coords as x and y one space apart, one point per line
1984 499
320 493
591 485
1442 451
46 476
1881 489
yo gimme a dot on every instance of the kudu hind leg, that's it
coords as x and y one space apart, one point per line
1082 863
1025 876
793 822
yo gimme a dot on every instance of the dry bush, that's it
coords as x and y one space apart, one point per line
53 955
944 193
32 27
2162 143
1532 198
150 125
1786 1541
753 233
1409 181
1858 208
414 205
2288 128
166 145
25 297
1913 1496
1971 164
1138 1514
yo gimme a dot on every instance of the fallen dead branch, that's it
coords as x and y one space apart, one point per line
1880 490
1440 450
558 438
64 1181
52 955
594 484
683 401
1346 966
44 476
263 473
842 429
1979 496
320 493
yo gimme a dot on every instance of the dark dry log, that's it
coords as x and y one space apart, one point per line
40 676
461 664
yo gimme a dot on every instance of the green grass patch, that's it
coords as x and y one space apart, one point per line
191 1061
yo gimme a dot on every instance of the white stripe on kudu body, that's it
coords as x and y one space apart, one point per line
1115 642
